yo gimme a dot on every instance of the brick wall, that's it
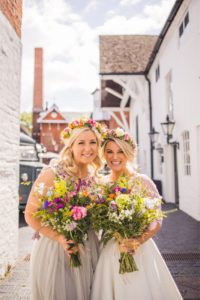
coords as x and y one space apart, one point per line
12 9
50 136
37 93
38 81
10 67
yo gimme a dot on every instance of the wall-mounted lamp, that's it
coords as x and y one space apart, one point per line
153 134
168 127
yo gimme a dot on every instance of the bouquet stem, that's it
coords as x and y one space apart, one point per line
75 260
127 263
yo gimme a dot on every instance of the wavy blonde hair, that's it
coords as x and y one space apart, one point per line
66 160
128 150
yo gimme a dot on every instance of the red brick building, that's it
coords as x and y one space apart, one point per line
47 124
51 123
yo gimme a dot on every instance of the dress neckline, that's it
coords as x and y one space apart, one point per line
131 175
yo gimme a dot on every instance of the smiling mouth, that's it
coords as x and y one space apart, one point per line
116 163
87 155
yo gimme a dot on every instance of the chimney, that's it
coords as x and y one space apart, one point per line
37 92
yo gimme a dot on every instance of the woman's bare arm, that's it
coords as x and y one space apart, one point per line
46 177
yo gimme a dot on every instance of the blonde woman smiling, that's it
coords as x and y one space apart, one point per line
51 276
153 280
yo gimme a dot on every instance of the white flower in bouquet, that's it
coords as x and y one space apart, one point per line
40 188
152 203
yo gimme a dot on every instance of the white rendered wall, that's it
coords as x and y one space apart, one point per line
140 108
10 65
181 57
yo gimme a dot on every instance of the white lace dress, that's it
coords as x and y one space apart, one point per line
153 281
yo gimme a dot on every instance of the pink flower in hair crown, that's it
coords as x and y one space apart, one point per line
80 123
118 133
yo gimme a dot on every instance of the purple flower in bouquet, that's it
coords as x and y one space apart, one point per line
79 212
117 189
100 199
113 205
59 206
57 200
46 204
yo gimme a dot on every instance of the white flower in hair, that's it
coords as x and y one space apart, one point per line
119 132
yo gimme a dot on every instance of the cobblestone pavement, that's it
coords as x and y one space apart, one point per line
16 285
178 241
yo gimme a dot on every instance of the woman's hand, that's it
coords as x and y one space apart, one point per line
69 246
129 245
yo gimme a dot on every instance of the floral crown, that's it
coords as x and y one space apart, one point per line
81 123
118 133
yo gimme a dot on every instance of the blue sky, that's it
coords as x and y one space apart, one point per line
68 32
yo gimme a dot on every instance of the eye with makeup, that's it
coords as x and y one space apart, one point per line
91 142
118 152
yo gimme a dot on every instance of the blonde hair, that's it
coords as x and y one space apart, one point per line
66 160
128 150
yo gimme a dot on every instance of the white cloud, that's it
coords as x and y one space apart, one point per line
71 53
70 50
112 12
159 12
129 2
149 21
91 6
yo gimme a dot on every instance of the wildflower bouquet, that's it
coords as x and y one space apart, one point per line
125 211
65 208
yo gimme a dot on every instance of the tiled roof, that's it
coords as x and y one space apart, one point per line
125 53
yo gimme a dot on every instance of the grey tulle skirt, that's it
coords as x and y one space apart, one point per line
51 276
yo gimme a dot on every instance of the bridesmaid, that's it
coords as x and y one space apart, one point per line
51 276
153 281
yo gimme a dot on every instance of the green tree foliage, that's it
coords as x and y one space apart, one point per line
26 120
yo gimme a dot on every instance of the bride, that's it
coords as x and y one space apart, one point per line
153 281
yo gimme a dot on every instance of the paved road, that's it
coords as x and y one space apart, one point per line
16 286
178 241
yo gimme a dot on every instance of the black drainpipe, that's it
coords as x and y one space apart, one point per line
150 126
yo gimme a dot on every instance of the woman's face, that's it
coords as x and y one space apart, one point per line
85 148
115 157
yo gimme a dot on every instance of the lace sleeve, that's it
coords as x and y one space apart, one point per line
152 192
150 187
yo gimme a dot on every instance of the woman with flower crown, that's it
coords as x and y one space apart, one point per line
152 280
51 276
